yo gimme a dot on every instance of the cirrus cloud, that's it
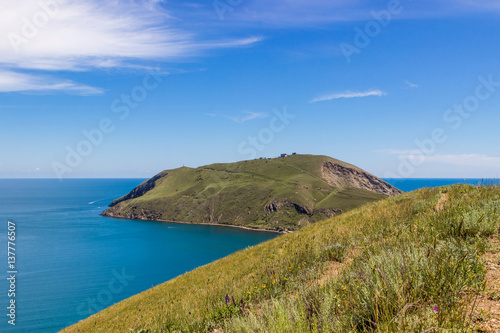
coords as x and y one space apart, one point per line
349 94
411 84
305 13
20 82
477 160
249 115
83 35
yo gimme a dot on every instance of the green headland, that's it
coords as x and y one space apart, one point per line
280 194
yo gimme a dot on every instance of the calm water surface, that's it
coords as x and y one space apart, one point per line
71 262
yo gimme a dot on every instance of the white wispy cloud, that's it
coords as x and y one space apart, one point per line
286 13
20 82
459 159
301 13
419 156
81 35
399 151
411 85
349 94
89 33
483 5
28 171
249 116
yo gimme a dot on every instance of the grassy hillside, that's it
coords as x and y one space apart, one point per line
278 194
411 263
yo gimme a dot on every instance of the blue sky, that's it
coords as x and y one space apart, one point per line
130 88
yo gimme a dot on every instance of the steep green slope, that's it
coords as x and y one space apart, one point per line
278 194
413 263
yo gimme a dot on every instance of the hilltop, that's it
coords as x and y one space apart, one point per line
425 261
278 194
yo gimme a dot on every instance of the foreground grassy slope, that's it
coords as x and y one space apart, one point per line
278 194
412 263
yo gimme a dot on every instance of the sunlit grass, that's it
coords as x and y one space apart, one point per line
405 264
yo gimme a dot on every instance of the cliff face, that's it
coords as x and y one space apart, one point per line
338 175
278 194
140 190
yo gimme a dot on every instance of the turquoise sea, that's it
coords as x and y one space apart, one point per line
71 262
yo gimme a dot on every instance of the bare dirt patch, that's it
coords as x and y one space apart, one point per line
441 202
487 313
334 267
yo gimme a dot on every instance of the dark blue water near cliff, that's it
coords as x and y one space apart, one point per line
72 262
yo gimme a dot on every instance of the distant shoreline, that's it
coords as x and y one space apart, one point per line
208 224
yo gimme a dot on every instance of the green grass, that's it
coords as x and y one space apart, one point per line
241 193
411 263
